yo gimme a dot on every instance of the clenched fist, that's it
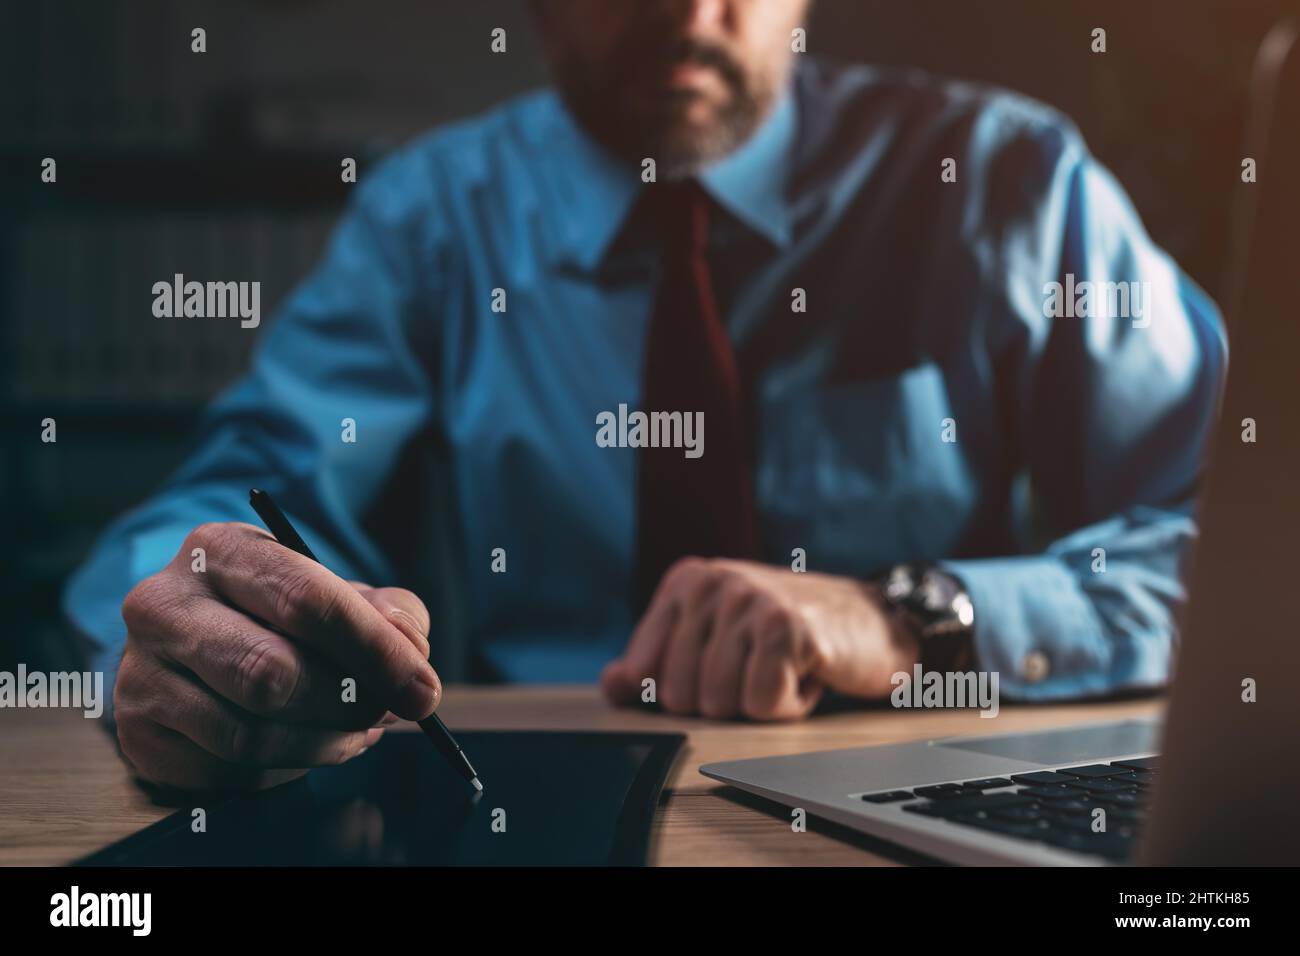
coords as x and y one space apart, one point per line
233 678
737 639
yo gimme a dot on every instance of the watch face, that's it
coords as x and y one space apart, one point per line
937 591
937 598
900 584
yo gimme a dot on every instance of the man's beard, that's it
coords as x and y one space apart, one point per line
596 93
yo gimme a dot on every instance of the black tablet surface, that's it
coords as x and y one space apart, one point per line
548 798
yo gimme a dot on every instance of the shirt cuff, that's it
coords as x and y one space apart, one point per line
1035 627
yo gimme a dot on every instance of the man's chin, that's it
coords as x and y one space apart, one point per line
684 148
680 154
682 130
685 133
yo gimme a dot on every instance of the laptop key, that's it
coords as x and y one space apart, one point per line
988 783
1138 763
1109 845
1123 814
1108 786
1122 799
967 805
1024 831
1041 776
1069 806
1019 814
941 791
1052 792
1073 822
1093 770
887 796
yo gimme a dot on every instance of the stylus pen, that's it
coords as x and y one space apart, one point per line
432 725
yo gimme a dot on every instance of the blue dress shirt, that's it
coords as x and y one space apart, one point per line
915 401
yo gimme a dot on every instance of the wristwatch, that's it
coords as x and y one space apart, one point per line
935 606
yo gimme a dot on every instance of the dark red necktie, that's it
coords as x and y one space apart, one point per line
692 506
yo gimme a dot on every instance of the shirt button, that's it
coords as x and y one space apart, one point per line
1035 666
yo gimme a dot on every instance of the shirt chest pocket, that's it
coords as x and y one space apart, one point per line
863 474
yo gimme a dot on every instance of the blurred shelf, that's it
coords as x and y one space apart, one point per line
146 180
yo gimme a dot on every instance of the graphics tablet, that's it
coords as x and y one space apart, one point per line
548 798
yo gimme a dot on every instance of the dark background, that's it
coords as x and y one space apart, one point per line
227 164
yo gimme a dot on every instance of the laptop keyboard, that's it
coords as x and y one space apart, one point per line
1055 807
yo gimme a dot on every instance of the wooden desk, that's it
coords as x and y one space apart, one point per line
64 793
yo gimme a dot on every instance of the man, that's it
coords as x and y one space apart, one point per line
869 287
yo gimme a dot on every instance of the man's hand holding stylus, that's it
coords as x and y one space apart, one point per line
235 676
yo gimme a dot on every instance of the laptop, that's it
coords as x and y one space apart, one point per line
1216 784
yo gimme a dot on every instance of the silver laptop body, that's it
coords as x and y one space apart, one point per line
1223 789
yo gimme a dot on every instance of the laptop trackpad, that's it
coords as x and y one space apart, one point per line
1070 745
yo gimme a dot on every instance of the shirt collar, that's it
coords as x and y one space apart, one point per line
598 189
750 182
595 188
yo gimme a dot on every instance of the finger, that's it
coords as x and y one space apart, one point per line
643 656
681 662
722 668
691 631
260 671
405 611
253 571
164 757
237 737
773 689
